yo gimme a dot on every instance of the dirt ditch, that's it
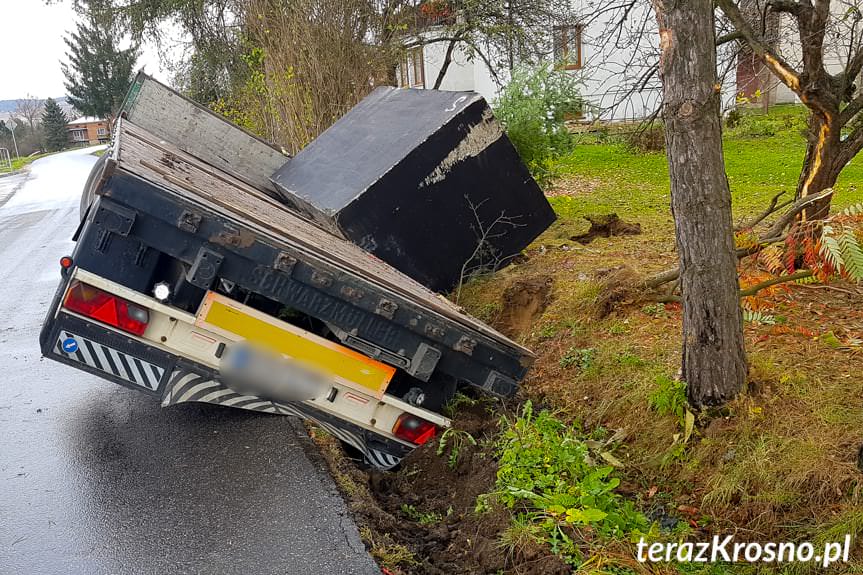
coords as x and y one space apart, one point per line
421 519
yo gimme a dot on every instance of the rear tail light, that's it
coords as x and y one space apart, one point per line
414 429
107 308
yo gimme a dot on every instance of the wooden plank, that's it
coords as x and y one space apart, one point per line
201 133
162 163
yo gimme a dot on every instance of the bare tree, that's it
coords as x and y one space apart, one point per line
29 109
309 65
714 361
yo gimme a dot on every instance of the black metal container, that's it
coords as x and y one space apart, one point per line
426 180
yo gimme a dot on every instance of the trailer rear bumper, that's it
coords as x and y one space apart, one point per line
127 361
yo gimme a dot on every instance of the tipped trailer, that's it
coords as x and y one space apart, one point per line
186 265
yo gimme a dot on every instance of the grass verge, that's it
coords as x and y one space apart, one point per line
614 438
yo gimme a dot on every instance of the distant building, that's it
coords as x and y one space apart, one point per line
615 84
89 131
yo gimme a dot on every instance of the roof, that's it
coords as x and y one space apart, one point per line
86 120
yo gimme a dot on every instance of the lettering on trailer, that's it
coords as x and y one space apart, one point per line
284 288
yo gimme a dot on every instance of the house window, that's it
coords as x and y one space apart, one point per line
101 132
567 46
411 69
79 135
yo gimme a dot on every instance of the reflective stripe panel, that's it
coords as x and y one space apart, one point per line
185 385
109 360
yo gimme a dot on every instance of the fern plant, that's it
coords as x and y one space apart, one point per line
841 249
855 210
758 317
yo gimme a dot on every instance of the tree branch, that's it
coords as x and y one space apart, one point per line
771 236
752 290
797 207
760 218
730 37
447 60
788 6
850 147
852 109
784 71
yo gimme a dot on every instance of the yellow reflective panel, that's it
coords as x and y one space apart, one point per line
236 321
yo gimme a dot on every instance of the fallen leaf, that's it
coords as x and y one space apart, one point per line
688 509
610 459
689 425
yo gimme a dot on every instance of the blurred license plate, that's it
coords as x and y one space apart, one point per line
238 322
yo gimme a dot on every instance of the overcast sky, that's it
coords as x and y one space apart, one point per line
31 48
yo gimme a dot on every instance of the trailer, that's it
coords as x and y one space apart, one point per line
191 281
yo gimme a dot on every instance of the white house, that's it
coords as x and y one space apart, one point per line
617 62
613 64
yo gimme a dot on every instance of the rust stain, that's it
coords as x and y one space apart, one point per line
241 238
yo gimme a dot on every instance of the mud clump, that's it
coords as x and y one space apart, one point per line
618 285
522 303
606 226
428 506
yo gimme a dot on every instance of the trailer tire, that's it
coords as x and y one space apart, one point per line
88 194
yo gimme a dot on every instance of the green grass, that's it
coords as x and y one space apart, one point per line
18 163
779 461
635 185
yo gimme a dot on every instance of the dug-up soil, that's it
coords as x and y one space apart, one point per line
450 536
523 301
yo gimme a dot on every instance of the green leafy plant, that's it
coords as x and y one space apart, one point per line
842 250
421 517
654 309
548 331
669 398
455 440
533 108
462 401
582 357
544 472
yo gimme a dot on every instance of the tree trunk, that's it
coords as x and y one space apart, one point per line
820 169
714 360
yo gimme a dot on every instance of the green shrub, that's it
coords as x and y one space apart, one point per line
650 138
754 123
533 108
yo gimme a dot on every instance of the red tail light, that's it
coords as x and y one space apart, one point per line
414 429
107 308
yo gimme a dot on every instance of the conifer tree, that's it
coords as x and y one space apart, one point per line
98 72
54 122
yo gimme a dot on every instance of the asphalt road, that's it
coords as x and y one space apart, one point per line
98 479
